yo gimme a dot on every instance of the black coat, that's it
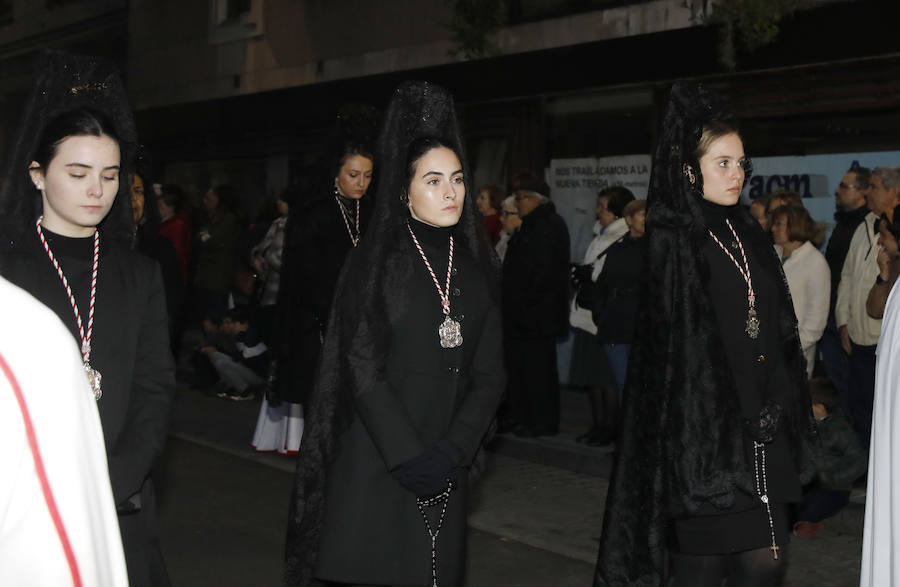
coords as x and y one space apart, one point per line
839 243
316 244
160 249
536 276
619 286
372 531
130 349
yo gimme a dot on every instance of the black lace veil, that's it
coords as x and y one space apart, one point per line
365 298
65 82
681 443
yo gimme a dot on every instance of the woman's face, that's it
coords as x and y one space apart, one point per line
722 168
137 197
210 201
636 223
282 207
79 185
603 214
354 177
437 190
887 240
780 232
484 203
165 210
758 211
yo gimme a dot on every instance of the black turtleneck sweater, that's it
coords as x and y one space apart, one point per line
435 241
75 257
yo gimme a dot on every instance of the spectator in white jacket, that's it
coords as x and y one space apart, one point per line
858 331
588 368
807 272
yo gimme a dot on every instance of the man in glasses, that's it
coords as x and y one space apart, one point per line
851 210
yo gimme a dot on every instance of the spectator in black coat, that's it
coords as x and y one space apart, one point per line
535 310
850 200
616 311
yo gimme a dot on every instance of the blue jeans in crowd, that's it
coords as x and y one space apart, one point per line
617 356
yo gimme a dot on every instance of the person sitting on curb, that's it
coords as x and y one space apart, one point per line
241 375
839 460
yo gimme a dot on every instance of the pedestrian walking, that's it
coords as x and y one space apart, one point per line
716 411
67 241
411 371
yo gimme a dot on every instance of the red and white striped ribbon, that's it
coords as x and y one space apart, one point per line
745 270
445 295
85 337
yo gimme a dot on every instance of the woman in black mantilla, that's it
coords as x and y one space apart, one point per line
67 199
319 234
717 418
409 378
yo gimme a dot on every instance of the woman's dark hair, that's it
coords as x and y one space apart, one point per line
495 194
173 196
633 207
785 197
349 149
822 391
150 217
417 149
228 197
76 123
290 195
618 197
800 224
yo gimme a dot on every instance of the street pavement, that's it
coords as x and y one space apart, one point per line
535 516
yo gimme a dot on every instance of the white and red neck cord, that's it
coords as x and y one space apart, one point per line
745 270
41 473
85 336
445 294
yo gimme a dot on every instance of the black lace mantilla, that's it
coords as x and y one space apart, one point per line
764 429
64 82
683 440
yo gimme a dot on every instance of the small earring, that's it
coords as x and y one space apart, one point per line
689 173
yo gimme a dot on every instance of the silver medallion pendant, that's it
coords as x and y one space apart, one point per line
752 329
450 333
94 380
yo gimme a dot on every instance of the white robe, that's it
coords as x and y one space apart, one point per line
881 535
42 382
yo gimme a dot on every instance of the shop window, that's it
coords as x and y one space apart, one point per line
6 11
235 20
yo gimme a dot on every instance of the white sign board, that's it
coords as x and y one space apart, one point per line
574 184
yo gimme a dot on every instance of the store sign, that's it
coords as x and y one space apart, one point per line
808 185
574 184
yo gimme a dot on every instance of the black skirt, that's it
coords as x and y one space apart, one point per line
589 367
733 531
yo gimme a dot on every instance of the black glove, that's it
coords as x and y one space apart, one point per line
581 273
427 474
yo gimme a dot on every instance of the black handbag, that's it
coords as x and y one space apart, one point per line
588 291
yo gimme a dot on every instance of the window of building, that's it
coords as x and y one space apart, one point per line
6 11
57 3
235 20
531 10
